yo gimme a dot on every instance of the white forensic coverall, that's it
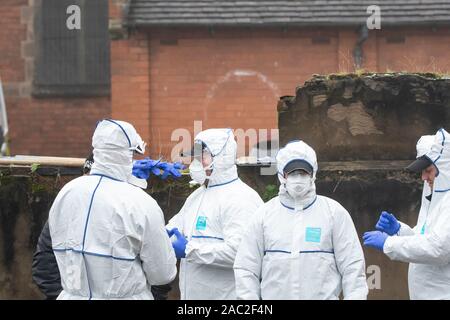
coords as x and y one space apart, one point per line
427 246
304 249
108 236
213 219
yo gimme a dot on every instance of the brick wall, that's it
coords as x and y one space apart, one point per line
166 78
130 81
423 50
233 77
53 127
129 72
228 78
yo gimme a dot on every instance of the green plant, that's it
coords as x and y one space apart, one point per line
34 167
270 192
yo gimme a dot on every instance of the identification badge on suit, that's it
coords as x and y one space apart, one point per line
313 234
201 223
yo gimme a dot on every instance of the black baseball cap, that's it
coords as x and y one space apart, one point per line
298 164
419 164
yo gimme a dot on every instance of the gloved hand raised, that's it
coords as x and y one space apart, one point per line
179 245
170 169
388 223
375 239
143 168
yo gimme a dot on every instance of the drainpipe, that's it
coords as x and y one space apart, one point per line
358 54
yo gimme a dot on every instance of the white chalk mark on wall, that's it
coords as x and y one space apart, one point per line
237 75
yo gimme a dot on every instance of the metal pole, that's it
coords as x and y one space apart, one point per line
4 123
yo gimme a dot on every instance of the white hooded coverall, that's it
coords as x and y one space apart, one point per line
108 236
213 219
427 246
304 249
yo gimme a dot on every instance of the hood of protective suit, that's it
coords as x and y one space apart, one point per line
223 148
114 143
423 146
439 154
296 150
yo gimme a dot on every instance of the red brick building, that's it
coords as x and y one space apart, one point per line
224 63
48 125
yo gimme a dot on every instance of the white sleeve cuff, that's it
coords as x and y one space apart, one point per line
388 245
404 230
190 246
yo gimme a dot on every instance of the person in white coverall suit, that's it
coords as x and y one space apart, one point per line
426 246
209 226
300 245
108 235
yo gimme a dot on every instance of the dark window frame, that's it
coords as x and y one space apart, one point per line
71 63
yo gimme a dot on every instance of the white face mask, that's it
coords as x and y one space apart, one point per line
198 172
298 185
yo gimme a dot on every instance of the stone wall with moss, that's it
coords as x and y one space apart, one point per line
365 116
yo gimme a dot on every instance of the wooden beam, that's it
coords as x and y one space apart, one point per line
42 161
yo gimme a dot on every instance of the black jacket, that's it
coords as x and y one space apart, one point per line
46 273
44 268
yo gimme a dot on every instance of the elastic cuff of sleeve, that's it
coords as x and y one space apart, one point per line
189 248
387 248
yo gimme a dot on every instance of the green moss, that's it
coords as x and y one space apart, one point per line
363 73
37 188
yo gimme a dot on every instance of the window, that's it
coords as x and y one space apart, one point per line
71 62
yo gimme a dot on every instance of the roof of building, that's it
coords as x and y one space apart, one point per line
285 12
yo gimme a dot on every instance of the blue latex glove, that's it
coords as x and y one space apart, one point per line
146 167
179 245
170 169
170 232
388 223
143 168
375 239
